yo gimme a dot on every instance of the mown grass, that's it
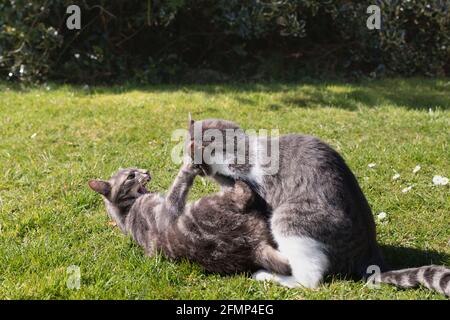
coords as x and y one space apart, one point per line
54 139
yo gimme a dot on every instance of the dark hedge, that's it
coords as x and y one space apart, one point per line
179 40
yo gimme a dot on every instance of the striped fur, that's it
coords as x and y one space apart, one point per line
321 220
225 232
432 277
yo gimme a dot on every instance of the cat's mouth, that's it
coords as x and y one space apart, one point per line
142 190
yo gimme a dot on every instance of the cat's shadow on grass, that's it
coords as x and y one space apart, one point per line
405 257
398 257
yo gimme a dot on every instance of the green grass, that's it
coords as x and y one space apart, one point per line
54 139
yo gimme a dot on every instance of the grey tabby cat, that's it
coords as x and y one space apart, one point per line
320 218
224 232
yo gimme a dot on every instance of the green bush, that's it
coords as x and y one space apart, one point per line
181 40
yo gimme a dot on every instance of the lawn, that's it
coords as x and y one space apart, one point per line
55 138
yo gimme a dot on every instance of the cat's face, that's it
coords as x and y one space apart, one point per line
124 187
208 133
220 141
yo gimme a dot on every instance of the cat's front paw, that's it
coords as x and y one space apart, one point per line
191 168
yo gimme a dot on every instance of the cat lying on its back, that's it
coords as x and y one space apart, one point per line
224 232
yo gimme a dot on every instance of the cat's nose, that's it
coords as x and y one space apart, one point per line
147 175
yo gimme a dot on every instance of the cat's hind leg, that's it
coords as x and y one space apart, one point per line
308 263
272 260
307 260
307 256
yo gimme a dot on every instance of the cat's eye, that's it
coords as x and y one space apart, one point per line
131 176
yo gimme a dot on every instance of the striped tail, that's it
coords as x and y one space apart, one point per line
433 277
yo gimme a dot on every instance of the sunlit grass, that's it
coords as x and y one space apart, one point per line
53 141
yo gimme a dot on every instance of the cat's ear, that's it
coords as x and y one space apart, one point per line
100 186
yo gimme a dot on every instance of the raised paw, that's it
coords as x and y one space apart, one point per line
191 168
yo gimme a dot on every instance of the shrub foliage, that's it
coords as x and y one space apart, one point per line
173 40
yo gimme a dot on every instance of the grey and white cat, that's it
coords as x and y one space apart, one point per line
225 232
320 218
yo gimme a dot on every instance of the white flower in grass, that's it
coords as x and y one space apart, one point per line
440 180
381 216
396 176
405 190
371 165
33 135
417 169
